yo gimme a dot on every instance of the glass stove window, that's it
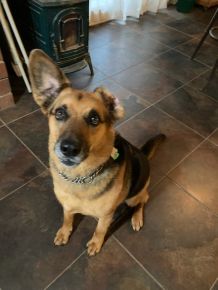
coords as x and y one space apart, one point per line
70 31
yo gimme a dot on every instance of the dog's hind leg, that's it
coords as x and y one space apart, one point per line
137 220
64 232
138 202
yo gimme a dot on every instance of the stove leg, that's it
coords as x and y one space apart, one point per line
89 61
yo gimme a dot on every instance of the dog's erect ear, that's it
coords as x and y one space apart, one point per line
115 109
46 78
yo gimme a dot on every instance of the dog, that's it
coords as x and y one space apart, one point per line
94 169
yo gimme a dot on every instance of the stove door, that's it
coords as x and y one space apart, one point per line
71 32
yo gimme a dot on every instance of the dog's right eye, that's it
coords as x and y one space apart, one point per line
60 114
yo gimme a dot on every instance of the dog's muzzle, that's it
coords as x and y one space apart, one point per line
70 151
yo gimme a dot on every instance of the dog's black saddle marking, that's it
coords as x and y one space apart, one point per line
137 165
137 175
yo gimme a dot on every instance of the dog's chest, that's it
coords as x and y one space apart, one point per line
77 199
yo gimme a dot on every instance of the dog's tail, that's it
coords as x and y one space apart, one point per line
152 144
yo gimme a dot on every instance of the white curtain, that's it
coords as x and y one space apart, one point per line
104 10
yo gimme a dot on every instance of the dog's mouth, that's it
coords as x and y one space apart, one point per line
70 156
70 161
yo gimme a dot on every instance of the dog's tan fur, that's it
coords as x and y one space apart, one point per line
51 90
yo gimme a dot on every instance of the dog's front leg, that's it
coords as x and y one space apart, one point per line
95 244
64 232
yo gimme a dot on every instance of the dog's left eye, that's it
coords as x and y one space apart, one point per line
60 114
93 118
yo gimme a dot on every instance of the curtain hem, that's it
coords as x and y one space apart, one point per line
101 11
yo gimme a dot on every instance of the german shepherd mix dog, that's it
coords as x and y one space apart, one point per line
94 169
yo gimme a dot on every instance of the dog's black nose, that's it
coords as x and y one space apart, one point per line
70 148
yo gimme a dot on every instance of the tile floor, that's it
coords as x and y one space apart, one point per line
146 64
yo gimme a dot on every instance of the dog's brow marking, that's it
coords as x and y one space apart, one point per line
52 109
80 96
46 104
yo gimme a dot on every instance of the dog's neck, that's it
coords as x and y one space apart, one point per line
89 178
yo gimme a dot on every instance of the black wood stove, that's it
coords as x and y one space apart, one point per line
61 28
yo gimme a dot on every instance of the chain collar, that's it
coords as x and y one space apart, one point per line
80 179
90 177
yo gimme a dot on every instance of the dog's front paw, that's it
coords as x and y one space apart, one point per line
94 246
62 236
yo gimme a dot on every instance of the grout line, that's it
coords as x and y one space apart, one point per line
26 183
161 23
2 125
110 78
209 97
197 38
182 43
189 57
65 269
95 84
40 161
181 186
158 41
157 55
187 84
137 262
187 34
180 122
132 117
159 100
211 141
130 93
91 49
212 133
214 283
131 66
150 34
194 60
186 156
203 141
152 187
149 104
206 68
175 47
23 116
202 204
202 92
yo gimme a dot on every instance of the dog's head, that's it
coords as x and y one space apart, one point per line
80 123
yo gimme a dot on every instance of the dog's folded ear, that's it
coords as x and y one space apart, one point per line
112 104
46 78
